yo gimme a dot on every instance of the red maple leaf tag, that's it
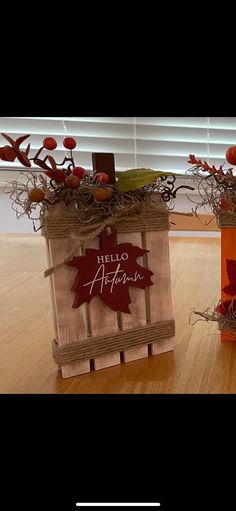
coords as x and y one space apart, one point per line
108 272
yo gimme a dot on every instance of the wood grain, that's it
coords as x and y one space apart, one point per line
71 323
137 307
160 293
52 289
103 321
200 363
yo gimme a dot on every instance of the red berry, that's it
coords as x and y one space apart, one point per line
231 155
69 143
79 172
102 177
50 143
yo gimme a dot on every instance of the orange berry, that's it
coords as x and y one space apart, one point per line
72 181
102 194
36 195
109 194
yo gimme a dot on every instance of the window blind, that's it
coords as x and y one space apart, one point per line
162 143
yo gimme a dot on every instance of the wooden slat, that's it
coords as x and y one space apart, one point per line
228 251
160 293
51 286
71 323
137 307
103 321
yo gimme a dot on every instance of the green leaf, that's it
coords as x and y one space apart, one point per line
134 179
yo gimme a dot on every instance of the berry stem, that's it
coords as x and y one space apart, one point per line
71 158
37 154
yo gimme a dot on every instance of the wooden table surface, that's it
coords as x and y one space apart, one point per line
200 363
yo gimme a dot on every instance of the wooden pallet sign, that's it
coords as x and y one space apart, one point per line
128 318
107 245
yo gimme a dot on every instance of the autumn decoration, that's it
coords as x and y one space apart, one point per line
217 193
106 233
216 186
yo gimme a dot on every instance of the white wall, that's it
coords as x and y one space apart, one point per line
8 220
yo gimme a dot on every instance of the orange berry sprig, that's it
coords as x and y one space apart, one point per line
213 171
12 151
50 144
69 176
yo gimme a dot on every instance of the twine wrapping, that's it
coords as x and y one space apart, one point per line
93 347
60 222
226 219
